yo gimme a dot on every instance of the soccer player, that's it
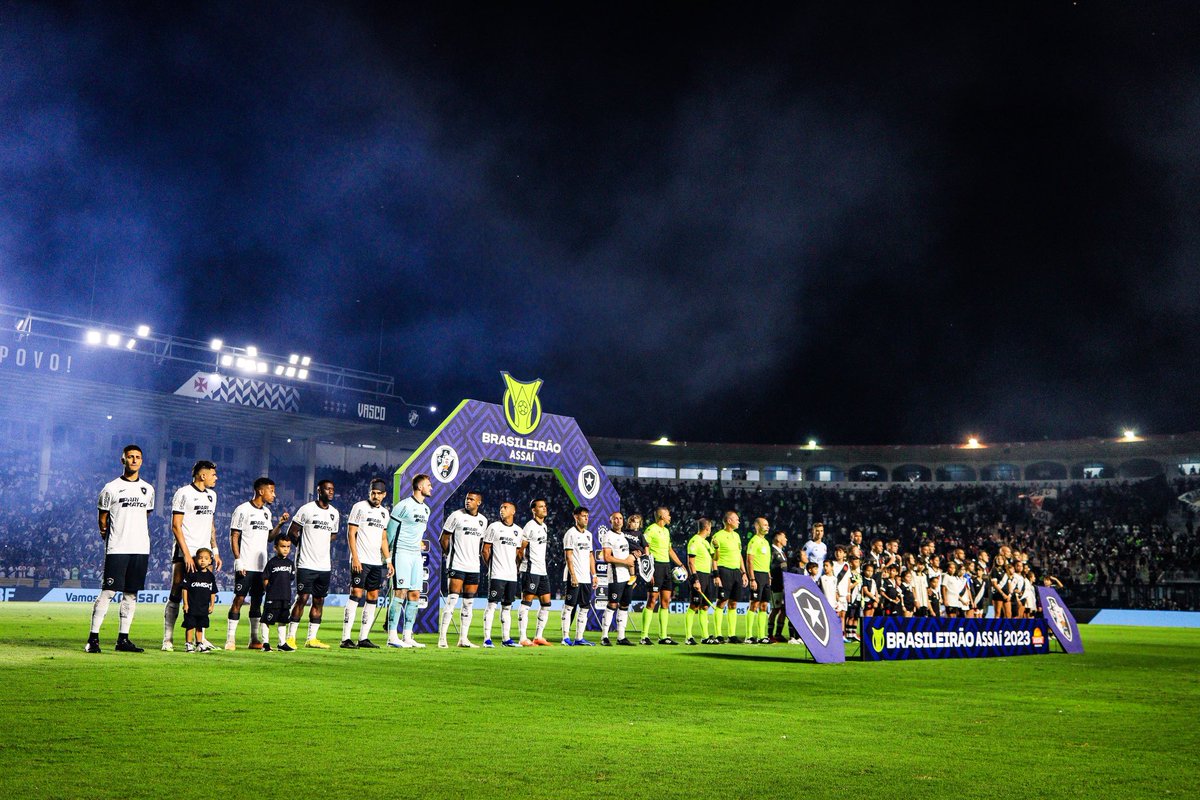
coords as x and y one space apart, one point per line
462 536
192 512
278 576
314 528
199 596
535 581
815 548
581 577
500 545
615 551
406 534
658 543
731 576
366 533
700 571
758 567
123 509
249 529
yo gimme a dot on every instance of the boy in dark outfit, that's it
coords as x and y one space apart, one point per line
278 576
199 597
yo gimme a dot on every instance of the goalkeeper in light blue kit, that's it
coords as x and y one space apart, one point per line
406 532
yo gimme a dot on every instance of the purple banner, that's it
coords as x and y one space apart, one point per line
813 618
1060 620
903 638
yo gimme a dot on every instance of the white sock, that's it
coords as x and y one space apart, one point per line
348 617
447 615
543 617
566 621
368 619
313 627
606 623
291 629
523 622
100 608
464 618
622 618
254 636
231 630
581 623
505 623
127 609
170 615
264 633
286 632
487 620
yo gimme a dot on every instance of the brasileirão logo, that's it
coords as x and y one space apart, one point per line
522 408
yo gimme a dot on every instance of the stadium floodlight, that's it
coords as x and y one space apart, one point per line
143 331
108 416
113 340
973 443
252 351
290 372
302 374
93 337
293 359
227 361
245 363
132 343
216 344
812 444
304 362
262 367
1130 434
663 441
433 409
279 369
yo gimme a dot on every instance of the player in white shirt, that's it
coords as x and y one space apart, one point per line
406 536
581 578
501 545
123 508
815 549
314 528
249 529
614 550
535 581
193 510
462 538
366 533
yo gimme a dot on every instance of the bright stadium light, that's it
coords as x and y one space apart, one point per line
216 344
302 374
245 363
291 372
93 337
304 362
812 444
113 340
973 443
293 359
227 361
1130 435
263 367
663 441
279 369
132 343
252 351
433 409
143 331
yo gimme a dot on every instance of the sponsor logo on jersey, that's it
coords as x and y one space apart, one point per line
444 463
522 408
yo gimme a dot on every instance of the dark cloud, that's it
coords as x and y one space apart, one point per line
878 225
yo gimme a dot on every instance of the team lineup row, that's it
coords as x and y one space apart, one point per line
388 546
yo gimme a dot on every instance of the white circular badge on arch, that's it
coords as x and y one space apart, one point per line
589 482
443 464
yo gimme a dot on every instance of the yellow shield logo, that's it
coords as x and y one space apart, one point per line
522 408
877 639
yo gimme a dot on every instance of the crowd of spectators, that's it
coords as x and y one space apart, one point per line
1112 544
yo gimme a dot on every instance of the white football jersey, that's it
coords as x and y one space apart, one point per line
466 539
255 525
368 539
619 545
317 527
534 537
578 547
198 509
951 586
127 504
504 539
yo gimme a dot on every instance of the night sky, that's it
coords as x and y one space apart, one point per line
892 223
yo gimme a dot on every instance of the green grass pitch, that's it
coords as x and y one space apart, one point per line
731 721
